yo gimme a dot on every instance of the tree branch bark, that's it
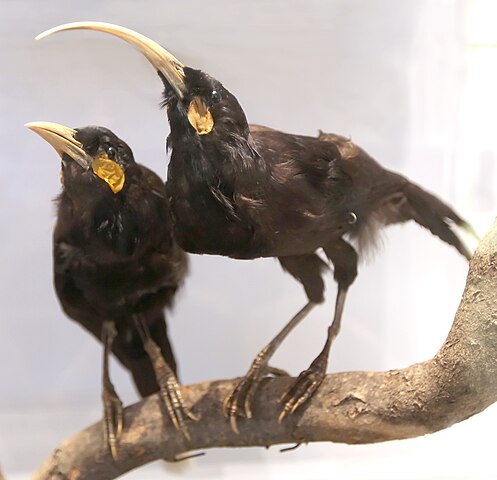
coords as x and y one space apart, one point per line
352 407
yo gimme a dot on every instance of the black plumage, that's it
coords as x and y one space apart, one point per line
116 264
250 191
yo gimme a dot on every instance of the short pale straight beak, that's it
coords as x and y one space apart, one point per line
163 61
62 140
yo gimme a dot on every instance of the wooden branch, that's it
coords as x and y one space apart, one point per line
353 407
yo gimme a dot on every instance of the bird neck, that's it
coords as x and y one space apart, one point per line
107 220
213 158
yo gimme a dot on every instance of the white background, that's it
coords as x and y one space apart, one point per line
411 81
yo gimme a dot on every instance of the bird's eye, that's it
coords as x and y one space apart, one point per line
215 95
111 152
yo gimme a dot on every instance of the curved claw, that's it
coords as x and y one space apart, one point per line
277 372
174 403
242 397
231 405
249 398
234 423
113 419
301 390
169 388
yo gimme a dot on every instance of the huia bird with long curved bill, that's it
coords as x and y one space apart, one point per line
250 191
116 264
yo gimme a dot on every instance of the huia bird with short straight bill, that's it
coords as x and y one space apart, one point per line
250 191
116 264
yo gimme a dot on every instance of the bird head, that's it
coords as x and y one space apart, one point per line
92 158
198 105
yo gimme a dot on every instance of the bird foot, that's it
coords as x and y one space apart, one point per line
239 402
113 418
277 372
172 399
302 389
169 387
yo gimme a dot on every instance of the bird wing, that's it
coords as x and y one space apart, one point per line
395 199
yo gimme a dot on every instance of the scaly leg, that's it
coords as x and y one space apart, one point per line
309 380
344 258
243 394
170 390
307 270
113 407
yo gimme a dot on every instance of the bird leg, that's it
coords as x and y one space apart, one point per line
113 407
309 380
344 258
169 388
240 399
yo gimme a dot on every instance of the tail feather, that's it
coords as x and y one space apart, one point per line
431 213
406 201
